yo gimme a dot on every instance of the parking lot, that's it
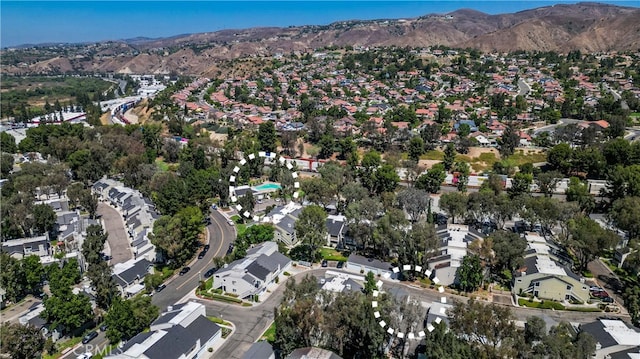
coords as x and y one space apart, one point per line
118 240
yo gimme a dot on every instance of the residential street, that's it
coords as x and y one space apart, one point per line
221 235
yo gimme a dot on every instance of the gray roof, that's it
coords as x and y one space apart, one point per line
288 224
66 218
334 227
257 270
139 270
596 329
180 340
100 185
259 350
625 354
369 262
166 317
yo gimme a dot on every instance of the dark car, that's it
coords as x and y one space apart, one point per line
103 327
209 273
184 270
202 254
89 337
340 264
607 300
160 287
206 247
230 249
325 263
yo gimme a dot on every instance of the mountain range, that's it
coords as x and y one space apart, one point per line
589 27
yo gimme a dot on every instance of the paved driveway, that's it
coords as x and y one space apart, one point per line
118 239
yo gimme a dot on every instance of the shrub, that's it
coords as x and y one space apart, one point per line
210 350
287 273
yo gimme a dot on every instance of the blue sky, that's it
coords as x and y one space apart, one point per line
33 22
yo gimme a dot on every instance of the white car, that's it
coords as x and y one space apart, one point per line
86 355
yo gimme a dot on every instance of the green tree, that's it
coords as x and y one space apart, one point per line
463 171
547 182
44 218
311 227
34 274
631 298
69 310
122 324
386 179
267 136
8 143
416 148
89 202
625 214
326 146
508 142
369 283
589 239
414 201
578 192
449 156
317 190
560 157
470 274
454 204
520 184
12 277
508 248
442 343
6 164
432 180
489 328
21 341
177 236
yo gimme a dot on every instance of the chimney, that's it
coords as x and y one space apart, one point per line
349 286
169 308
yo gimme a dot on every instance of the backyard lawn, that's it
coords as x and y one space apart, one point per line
331 254
270 334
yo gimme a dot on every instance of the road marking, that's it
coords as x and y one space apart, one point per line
221 239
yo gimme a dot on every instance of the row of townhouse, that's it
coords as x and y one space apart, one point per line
139 214
546 273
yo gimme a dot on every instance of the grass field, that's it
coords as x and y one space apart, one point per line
270 334
433 155
331 254
519 157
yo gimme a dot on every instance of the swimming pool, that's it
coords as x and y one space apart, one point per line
267 187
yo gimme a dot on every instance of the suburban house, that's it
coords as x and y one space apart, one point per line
336 230
546 274
129 276
614 338
182 332
454 240
251 275
24 247
363 265
312 353
341 282
284 219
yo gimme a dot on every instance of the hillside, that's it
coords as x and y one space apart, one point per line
589 27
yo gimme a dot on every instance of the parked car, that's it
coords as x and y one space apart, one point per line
325 263
89 337
160 287
206 247
202 254
607 300
600 294
340 264
230 248
209 273
184 270
87 355
230 222
103 327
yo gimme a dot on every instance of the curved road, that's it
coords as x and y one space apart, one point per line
220 234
